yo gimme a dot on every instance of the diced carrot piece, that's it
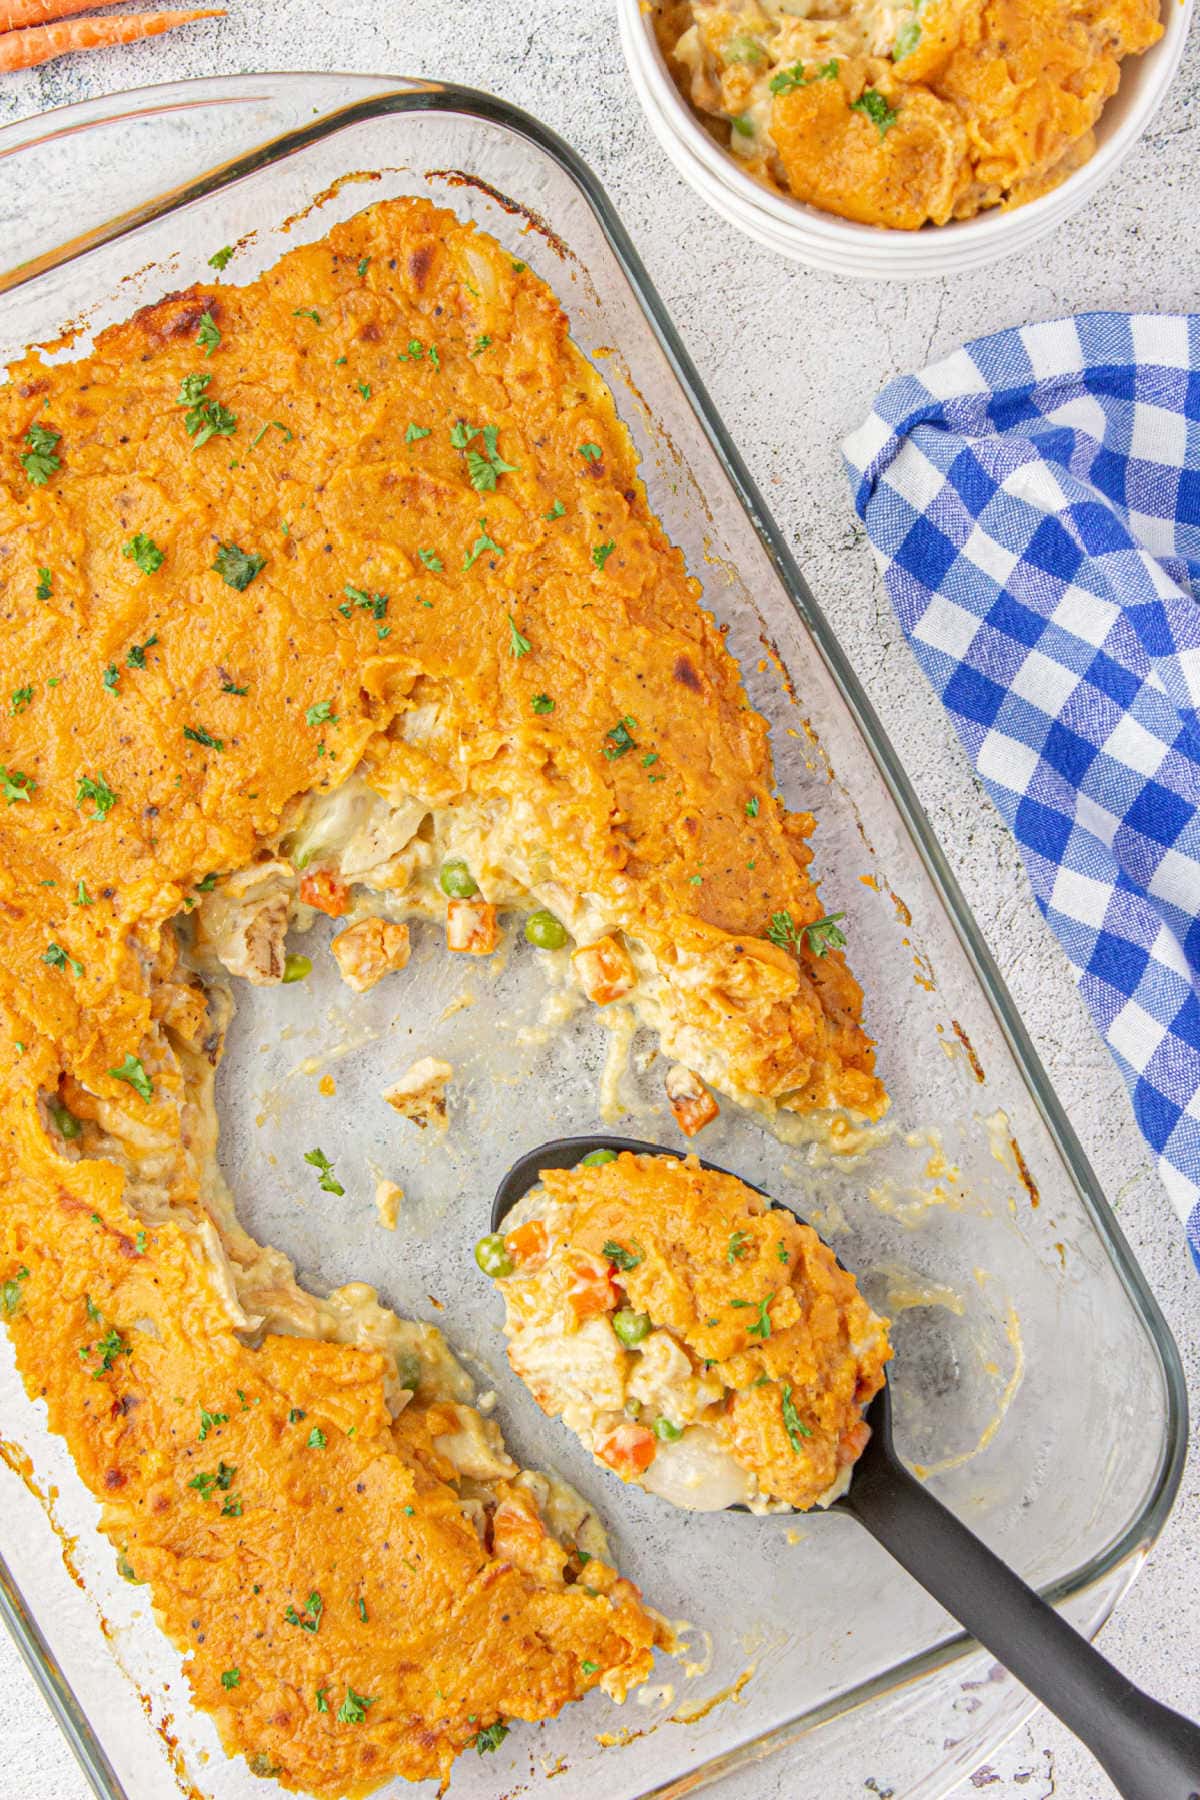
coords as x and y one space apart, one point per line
528 1242
591 1291
471 927
691 1102
323 890
515 1531
629 1450
605 970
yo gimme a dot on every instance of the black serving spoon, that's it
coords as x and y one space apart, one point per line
1149 1752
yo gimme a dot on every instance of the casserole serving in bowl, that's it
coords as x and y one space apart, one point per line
968 1208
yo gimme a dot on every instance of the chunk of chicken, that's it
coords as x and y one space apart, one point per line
420 1093
388 1195
471 927
605 970
250 939
368 951
691 1102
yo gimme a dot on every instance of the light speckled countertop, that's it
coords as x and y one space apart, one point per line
792 360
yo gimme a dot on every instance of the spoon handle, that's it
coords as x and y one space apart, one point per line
1149 1752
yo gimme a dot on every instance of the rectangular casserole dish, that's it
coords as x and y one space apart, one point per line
1036 1382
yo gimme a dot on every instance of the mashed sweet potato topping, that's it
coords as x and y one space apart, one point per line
698 1340
339 592
905 112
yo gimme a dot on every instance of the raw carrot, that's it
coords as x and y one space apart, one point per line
15 14
39 43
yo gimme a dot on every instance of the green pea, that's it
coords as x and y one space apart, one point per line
296 968
631 1327
594 1158
544 931
665 1432
457 880
744 125
65 1123
408 1369
492 1256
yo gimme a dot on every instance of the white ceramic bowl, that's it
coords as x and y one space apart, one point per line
841 247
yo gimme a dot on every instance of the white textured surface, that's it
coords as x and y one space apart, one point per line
792 360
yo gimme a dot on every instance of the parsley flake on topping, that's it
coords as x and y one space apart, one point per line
143 551
752 807
618 739
260 434
542 703
872 103
82 897
112 679
589 1668
762 1325
307 312
231 687
310 1619
219 258
482 343
517 645
198 735
230 1678
431 561
353 1709
363 266
296 1413
317 1439
237 567
19 699
415 433
737 1246
787 81
793 1424
320 1161
623 1258
45 584
322 1702
490 1738
96 789
486 465
590 452
822 935
39 461
208 337
602 552
364 388
210 1421
136 658
108 1348
10 1291
15 784
57 957
204 418
133 1071
556 511
320 714
362 1609
482 542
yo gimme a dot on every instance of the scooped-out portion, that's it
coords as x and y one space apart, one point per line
697 1340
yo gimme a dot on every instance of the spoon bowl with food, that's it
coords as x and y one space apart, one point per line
705 1343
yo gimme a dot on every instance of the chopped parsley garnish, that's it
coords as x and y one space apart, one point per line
482 542
39 461
482 343
542 703
589 1668
623 1258
822 935
143 551
650 758
556 511
362 1609
752 807
222 1478
307 312
322 1702
320 1161
431 561
296 1413
136 658
310 1619
45 584
219 258
486 465
416 350
96 789
619 739
231 687
872 103
363 266
236 567
737 1246
112 679
57 957
260 434
353 1709
209 1422
208 884
10 1291
208 337
364 388
108 1348
781 1252
204 418
590 452
320 714
761 1327
230 1678
793 1424
602 552
490 1738
517 645
786 81
15 784
199 735
415 433
82 897
19 699
133 1071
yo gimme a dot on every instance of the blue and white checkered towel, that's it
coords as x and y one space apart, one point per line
1034 503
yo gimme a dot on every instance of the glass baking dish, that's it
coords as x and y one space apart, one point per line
1036 1382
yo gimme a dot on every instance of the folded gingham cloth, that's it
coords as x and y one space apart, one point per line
1034 504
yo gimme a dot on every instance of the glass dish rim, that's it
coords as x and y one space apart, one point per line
392 94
